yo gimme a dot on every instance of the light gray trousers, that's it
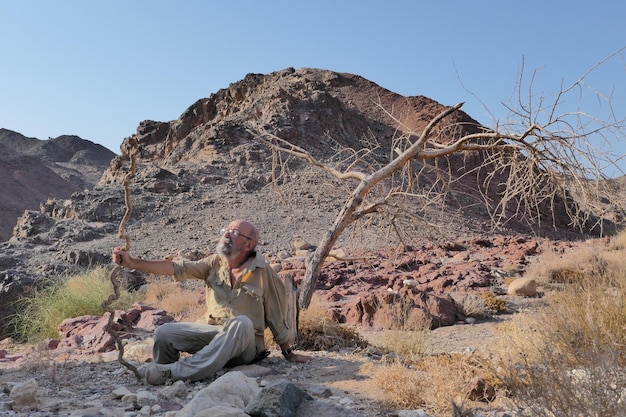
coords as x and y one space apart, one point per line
212 347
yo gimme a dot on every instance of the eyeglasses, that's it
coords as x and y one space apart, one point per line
234 232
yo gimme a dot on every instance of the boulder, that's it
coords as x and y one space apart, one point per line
233 390
408 309
523 286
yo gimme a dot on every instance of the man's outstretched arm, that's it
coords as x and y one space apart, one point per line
156 266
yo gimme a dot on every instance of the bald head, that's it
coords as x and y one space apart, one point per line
247 229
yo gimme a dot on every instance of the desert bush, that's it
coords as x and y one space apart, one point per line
182 300
407 346
618 242
492 302
589 265
568 358
481 305
437 383
402 387
449 376
41 310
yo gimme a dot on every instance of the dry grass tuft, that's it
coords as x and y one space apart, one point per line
618 242
449 376
182 300
327 335
402 387
481 305
492 302
594 264
437 383
470 305
406 346
317 331
565 275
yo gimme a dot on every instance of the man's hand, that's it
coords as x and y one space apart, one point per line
120 256
156 266
295 357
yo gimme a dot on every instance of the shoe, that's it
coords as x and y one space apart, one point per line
260 356
155 375
142 370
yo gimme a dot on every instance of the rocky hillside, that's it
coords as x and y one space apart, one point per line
32 170
198 172
315 109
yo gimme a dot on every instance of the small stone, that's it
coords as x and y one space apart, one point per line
24 395
319 391
169 392
120 392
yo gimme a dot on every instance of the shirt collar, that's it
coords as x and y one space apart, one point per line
257 262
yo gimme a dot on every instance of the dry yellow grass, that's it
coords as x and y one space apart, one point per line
182 300
596 264
568 358
402 387
618 242
436 383
449 376
407 346
492 302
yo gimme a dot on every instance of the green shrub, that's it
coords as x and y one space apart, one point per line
42 310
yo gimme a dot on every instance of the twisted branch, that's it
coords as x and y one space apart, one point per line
121 233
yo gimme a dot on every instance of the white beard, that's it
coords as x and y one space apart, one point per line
224 248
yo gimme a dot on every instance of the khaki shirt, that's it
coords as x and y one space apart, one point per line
259 294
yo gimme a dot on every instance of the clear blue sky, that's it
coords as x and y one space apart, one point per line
97 68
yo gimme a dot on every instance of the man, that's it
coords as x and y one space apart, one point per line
243 296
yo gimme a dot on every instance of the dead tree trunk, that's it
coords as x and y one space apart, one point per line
316 260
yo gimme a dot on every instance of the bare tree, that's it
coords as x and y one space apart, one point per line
544 162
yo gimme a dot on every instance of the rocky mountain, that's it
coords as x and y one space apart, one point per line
32 170
196 173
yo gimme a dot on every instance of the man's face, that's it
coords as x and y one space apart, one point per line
224 248
231 243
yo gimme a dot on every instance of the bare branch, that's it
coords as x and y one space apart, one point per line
294 150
